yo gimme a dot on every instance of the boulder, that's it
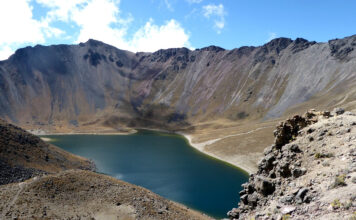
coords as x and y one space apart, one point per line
301 194
265 186
287 209
338 111
233 214
252 200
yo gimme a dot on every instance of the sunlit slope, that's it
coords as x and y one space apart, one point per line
68 87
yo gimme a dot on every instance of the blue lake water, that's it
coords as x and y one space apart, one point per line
165 164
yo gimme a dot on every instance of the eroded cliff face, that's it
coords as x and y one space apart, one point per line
308 173
69 86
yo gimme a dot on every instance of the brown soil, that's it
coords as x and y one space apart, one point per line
76 194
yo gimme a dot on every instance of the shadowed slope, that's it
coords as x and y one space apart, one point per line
23 155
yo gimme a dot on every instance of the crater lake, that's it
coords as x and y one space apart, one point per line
163 163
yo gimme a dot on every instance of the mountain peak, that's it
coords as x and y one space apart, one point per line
278 43
212 48
93 42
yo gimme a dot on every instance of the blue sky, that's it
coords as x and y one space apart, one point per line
148 25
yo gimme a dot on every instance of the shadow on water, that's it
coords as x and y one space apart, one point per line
165 164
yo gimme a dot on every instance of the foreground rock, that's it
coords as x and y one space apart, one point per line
86 195
23 155
309 173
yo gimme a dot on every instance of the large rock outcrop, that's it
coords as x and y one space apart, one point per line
309 173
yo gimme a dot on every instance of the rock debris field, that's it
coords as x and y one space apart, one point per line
309 173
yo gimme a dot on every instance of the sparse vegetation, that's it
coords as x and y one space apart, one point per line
336 204
353 217
323 155
339 181
286 217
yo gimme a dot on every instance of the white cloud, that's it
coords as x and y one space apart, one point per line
60 9
218 13
19 27
194 1
147 38
97 19
5 52
152 37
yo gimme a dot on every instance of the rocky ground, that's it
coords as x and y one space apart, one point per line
23 155
78 194
309 172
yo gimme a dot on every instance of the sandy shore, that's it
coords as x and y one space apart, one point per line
43 133
46 139
237 161
240 163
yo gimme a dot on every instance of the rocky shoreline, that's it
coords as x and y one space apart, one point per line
308 173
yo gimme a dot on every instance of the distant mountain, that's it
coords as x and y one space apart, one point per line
93 84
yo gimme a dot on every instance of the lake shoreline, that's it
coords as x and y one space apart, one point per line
198 146
162 148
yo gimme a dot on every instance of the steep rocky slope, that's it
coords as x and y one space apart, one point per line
23 155
95 83
233 95
309 173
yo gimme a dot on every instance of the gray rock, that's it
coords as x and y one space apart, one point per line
249 187
301 194
264 186
349 113
252 200
287 209
244 199
287 199
338 111
242 192
295 148
283 169
234 213
297 172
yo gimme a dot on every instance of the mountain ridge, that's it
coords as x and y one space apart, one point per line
208 92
